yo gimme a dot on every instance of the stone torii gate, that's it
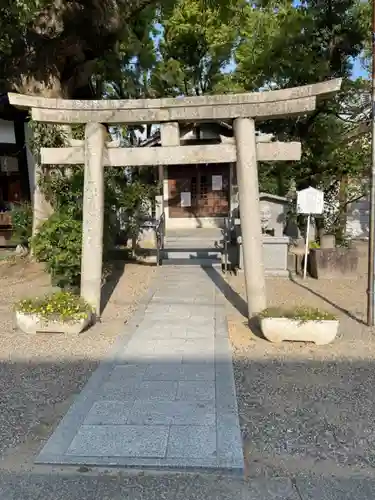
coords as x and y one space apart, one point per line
95 153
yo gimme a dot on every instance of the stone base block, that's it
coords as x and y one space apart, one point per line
329 263
5 237
275 255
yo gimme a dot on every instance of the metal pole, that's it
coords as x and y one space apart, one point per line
371 245
306 247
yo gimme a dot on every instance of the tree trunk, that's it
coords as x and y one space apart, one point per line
343 195
57 53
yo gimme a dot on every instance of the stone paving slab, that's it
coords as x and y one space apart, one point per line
165 398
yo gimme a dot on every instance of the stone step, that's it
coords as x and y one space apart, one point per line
187 253
194 234
193 262
194 241
179 247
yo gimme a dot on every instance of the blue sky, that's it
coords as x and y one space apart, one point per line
358 71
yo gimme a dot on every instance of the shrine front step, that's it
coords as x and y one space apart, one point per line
194 257
193 247
194 239
193 263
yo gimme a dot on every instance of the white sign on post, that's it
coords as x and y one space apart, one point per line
309 201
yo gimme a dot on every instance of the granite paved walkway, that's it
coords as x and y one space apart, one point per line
166 395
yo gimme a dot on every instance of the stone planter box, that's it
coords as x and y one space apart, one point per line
320 332
32 323
328 263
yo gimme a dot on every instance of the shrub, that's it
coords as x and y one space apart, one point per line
314 244
22 222
300 313
61 306
58 244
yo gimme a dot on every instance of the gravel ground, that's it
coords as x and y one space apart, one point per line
40 374
306 411
306 408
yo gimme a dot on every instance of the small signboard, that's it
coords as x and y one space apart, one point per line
186 199
217 183
310 201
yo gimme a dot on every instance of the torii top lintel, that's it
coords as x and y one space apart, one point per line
258 105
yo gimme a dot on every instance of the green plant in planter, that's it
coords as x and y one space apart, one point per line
22 221
300 314
59 306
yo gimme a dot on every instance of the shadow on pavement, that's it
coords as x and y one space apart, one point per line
231 295
117 268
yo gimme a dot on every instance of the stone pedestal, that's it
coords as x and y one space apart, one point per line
330 263
248 188
5 237
328 241
170 134
275 255
93 215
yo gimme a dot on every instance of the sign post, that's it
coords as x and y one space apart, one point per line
310 201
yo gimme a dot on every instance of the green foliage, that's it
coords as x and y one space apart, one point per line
59 306
300 314
196 46
283 44
314 244
54 47
58 244
59 240
22 222
149 48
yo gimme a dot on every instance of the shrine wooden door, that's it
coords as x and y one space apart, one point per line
198 190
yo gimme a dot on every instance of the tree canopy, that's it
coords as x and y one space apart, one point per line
155 48
51 47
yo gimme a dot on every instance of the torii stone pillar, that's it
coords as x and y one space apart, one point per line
93 220
41 207
169 136
251 229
